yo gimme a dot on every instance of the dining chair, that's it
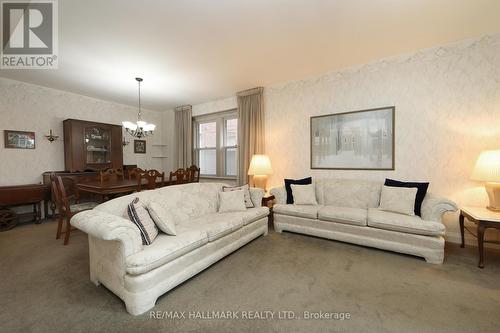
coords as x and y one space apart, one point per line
193 174
71 190
151 177
132 174
111 175
65 209
179 176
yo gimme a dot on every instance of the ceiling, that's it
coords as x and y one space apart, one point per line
191 51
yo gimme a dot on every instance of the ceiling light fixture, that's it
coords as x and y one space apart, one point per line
140 128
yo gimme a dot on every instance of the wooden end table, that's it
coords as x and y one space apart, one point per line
484 219
268 201
20 195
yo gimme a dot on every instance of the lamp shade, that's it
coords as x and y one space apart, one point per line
260 165
487 167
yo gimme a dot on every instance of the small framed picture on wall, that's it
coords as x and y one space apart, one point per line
140 146
19 139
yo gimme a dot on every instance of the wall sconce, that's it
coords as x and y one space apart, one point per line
124 142
52 137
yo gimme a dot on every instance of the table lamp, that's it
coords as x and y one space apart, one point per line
487 170
260 167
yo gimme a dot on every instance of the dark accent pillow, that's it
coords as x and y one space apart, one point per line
288 188
421 191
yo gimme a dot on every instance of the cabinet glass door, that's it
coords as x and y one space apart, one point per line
97 145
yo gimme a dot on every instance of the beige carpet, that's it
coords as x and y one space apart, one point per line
44 287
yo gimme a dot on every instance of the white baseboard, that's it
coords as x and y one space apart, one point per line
456 238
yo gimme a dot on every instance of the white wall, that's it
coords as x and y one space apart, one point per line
447 111
218 105
28 107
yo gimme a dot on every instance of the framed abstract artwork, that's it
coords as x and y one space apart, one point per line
19 139
356 140
140 146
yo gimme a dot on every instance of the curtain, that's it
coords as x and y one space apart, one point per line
251 136
183 148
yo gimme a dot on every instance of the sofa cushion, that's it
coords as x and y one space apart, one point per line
250 215
348 215
398 200
304 194
403 223
348 193
288 189
164 249
248 200
162 217
307 211
256 194
232 201
217 225
184 201
422 190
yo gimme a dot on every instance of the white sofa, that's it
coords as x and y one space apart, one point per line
348 211
139 274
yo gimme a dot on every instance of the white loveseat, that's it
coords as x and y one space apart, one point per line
348 211
139 274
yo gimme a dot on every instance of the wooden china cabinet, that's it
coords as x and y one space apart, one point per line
88 148
91 146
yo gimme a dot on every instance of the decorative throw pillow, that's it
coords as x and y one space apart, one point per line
163 219
232 201
398 199
421 191
140 217
246 192
256 194
304 194
288 182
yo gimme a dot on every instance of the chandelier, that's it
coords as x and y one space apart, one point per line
140 128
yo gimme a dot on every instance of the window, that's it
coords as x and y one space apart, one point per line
207 148
216 144
230 146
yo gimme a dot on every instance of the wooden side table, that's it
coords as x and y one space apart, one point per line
484 218
268 201
19 195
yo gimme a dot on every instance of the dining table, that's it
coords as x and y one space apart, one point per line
112 187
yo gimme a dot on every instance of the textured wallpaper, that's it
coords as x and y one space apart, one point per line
218 105
447 103
27 107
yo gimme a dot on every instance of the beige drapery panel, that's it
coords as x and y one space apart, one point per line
183 148
251 136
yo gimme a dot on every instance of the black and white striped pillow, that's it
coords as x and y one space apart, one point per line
140 217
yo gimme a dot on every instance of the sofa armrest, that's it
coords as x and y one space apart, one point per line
109 227
433 208
279 195
256 194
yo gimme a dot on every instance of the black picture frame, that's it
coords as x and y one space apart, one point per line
140 146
